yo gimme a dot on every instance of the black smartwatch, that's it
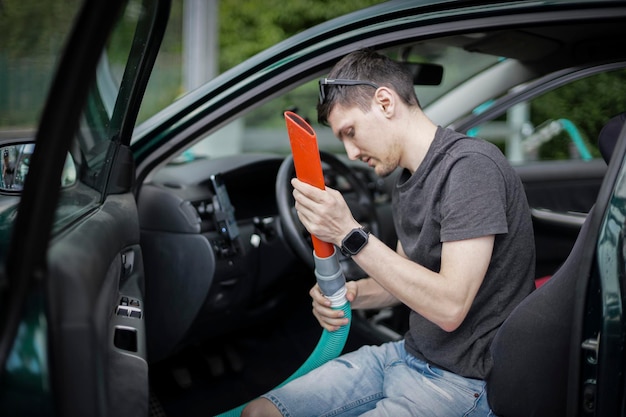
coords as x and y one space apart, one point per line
354 241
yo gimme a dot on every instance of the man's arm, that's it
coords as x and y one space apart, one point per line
363 294
442 297
371 295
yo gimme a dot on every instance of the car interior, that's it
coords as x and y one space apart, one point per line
177 274
211 355
537 334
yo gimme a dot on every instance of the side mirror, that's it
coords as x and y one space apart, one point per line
14 164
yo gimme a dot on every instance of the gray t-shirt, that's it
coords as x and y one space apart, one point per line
465 188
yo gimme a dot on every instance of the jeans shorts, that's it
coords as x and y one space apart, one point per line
381 381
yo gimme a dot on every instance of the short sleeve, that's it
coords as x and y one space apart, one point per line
473 202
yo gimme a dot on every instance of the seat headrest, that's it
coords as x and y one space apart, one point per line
609 134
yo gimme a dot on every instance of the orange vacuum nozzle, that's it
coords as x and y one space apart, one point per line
306 158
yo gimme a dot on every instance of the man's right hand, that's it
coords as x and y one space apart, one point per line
329 318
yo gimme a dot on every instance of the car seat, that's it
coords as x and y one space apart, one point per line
531 350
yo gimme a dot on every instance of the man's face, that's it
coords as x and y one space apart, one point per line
366 136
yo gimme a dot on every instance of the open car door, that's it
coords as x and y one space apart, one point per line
72 339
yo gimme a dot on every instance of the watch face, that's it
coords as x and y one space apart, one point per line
355 241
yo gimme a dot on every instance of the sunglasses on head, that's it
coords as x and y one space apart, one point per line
325 82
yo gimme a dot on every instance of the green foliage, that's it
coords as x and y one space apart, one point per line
29 29
31 38
246 27
250 26
33 32
588 103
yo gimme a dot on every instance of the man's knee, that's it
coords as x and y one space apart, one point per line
260 407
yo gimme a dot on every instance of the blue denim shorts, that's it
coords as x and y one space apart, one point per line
381 381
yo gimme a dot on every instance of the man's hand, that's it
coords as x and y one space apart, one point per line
329 318
324 213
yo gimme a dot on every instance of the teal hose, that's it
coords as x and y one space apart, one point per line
330 346
574 134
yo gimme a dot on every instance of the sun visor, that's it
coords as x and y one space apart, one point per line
519 45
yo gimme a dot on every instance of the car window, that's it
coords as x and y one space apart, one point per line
206 38
561 124
97 138
263 128
459 65
27 65
28 59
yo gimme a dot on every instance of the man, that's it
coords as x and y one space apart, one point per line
8 169
465 256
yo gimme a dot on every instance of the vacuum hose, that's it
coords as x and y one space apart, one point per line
328 273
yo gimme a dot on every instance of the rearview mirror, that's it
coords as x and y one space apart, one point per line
424 73
15 161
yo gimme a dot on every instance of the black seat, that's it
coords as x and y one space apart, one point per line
608 135
531 351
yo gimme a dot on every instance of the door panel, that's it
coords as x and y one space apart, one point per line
549 130
87 281
560 194
127 372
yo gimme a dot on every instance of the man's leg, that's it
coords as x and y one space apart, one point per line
416 388
261 407
347 386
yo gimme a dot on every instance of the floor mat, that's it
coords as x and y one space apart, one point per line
207 380
155 407
220 375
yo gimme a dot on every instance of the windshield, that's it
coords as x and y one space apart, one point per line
263 128
206 38
459 66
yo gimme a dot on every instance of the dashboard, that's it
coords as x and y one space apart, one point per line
214 251
210 266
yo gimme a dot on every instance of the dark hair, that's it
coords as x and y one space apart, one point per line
366 65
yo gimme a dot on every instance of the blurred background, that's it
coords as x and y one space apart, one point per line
207 37
203 39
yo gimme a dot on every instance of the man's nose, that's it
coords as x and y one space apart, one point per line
351 150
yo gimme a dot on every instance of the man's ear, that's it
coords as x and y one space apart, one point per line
385 100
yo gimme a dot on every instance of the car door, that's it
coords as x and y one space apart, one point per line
72 323
597 360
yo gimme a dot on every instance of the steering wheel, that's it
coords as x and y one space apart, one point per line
360 201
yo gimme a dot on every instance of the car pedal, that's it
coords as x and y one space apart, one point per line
216 365
182 376
234 360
